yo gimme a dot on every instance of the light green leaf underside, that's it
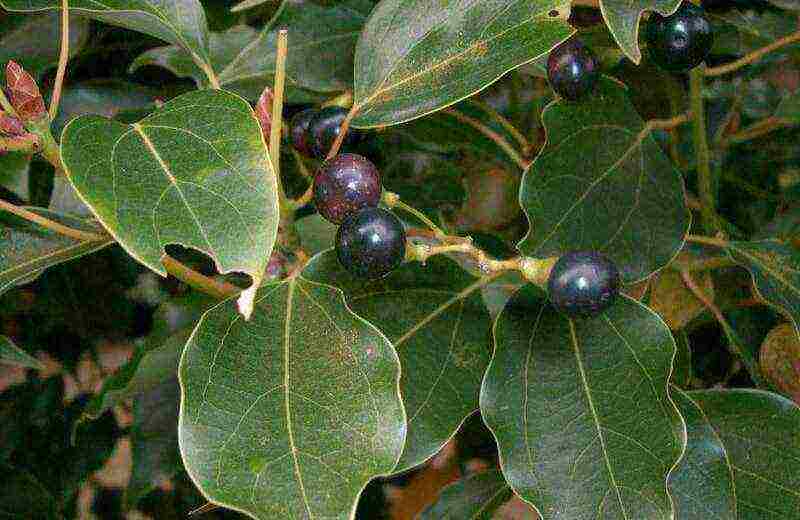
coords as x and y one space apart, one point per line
11 354
435 318
602 183
580 410
775 267
415 57
623 16
475 497
27 249
195 173
180 22
743 457
289 415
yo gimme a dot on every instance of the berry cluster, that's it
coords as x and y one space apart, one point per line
314 130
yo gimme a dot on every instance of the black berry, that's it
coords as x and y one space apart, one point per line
371 243
572 70
681 41
324 129
583 283
300 129
344 185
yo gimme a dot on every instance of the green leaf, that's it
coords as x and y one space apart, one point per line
316 233
775 267
743 457
623 16
580 409
23 496
435 318
415 57
27 249
196 172
602 183
154 439
35 41
702 482
320 53
11 354
180 22
476 497
789 108
738 31
15 173
291 414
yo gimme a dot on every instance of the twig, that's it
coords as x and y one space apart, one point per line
753 56
62 60
301 164
392 200
707 241
705 183
277 110
304 199
498 139
755 130
337 144
61 229
733 341
522 141
217 289
24 143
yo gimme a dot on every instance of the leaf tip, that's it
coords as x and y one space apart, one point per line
246 302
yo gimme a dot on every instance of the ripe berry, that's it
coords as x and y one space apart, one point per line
300 125
583 283
344 185
324 129
371 243
681 41
572 70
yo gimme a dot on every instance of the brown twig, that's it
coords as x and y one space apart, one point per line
61 229
753 56
498 139
215 288
62 60
337 144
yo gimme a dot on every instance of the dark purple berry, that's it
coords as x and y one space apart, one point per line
325 128
583 283
681 41
371 243
301 133
572 70
344 185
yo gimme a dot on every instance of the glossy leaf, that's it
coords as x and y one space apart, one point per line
702 483
195 172
435 318
35 41
11 354
602 183
749 436
180 22
320 53
27 249
775 267
580 409
623 16
476 497
415 57
291 414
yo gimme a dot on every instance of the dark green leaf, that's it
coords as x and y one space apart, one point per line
415 57
580 409
789 108
623 16
743 457
11 354
180 22
289 415
476 497
196 172
316 233
602 183
775 267
27 249
15 173
23 496
435 318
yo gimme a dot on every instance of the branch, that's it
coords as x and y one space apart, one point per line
753 56
277 111
755 130
62 60
215 288
392 200
61 229
522 141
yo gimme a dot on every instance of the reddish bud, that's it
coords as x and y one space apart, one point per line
10 125
264 112
25 96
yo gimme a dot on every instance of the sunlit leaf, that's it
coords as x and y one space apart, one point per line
476 497
11 354
580 409
289 415
415 57
27 249
602 183
195 172
435 318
